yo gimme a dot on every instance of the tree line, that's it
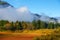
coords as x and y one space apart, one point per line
21 25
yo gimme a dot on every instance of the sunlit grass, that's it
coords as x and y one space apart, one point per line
41 34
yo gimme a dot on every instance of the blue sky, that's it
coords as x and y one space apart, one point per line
47 7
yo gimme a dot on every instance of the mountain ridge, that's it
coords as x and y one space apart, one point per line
8 12
4 4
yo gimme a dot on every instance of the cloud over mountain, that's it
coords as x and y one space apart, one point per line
23 9
7 12
12 14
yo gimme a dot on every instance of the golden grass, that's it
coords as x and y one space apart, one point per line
30 34
33 32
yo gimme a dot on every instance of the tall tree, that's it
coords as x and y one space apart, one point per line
51 25
34 24
38 24
12 28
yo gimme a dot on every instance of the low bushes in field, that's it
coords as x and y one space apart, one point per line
55 35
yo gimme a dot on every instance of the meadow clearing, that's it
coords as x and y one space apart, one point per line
31 35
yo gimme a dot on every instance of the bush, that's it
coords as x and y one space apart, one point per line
55 35
36 38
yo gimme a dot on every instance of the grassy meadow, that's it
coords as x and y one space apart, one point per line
35 30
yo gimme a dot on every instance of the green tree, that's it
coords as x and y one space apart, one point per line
19 25
12 28
34 24
51 25
38 24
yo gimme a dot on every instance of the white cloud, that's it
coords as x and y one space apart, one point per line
23 9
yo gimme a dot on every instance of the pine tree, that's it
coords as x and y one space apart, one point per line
12 28
34 24
38 24
51 25
18 25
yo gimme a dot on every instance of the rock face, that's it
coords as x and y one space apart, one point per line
8 12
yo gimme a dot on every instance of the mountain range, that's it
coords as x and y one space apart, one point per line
8 12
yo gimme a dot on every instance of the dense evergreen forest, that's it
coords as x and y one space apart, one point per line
34 25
